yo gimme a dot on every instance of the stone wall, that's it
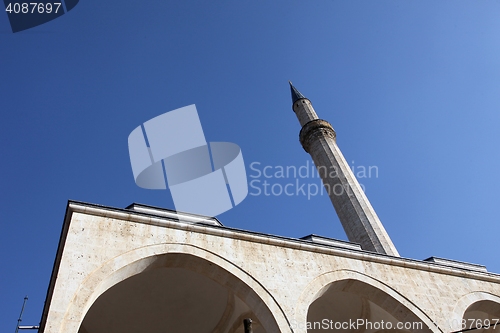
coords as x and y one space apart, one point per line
277 278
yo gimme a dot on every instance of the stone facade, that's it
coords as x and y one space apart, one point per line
162 272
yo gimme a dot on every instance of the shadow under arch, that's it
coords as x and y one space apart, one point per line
474 310
354 296
227 291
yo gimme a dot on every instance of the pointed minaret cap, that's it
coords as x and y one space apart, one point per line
296 95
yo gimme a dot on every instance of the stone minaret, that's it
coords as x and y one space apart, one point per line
355 212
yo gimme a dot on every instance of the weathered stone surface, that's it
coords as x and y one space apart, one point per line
276 279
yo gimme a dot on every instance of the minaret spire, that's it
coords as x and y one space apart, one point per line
296 95
355 212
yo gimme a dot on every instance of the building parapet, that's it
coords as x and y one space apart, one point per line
294 243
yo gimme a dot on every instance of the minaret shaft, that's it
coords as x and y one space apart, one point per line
355 212
306 112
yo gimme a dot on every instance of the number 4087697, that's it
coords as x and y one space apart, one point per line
32 7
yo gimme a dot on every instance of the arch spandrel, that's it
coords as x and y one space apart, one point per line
475 308
356 283
148 258
469 299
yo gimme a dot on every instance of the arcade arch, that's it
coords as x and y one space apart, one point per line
176 292
350 302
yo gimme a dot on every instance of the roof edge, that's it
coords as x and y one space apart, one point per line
224 231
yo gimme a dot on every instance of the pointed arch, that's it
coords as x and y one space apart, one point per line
201 261
374 290
475 307
467 300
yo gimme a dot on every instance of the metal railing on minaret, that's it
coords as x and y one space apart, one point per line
355 212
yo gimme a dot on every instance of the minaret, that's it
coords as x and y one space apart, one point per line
355 212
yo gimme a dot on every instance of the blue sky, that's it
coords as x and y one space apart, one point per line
411 88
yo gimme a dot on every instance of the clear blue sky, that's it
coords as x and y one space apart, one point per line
411 87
